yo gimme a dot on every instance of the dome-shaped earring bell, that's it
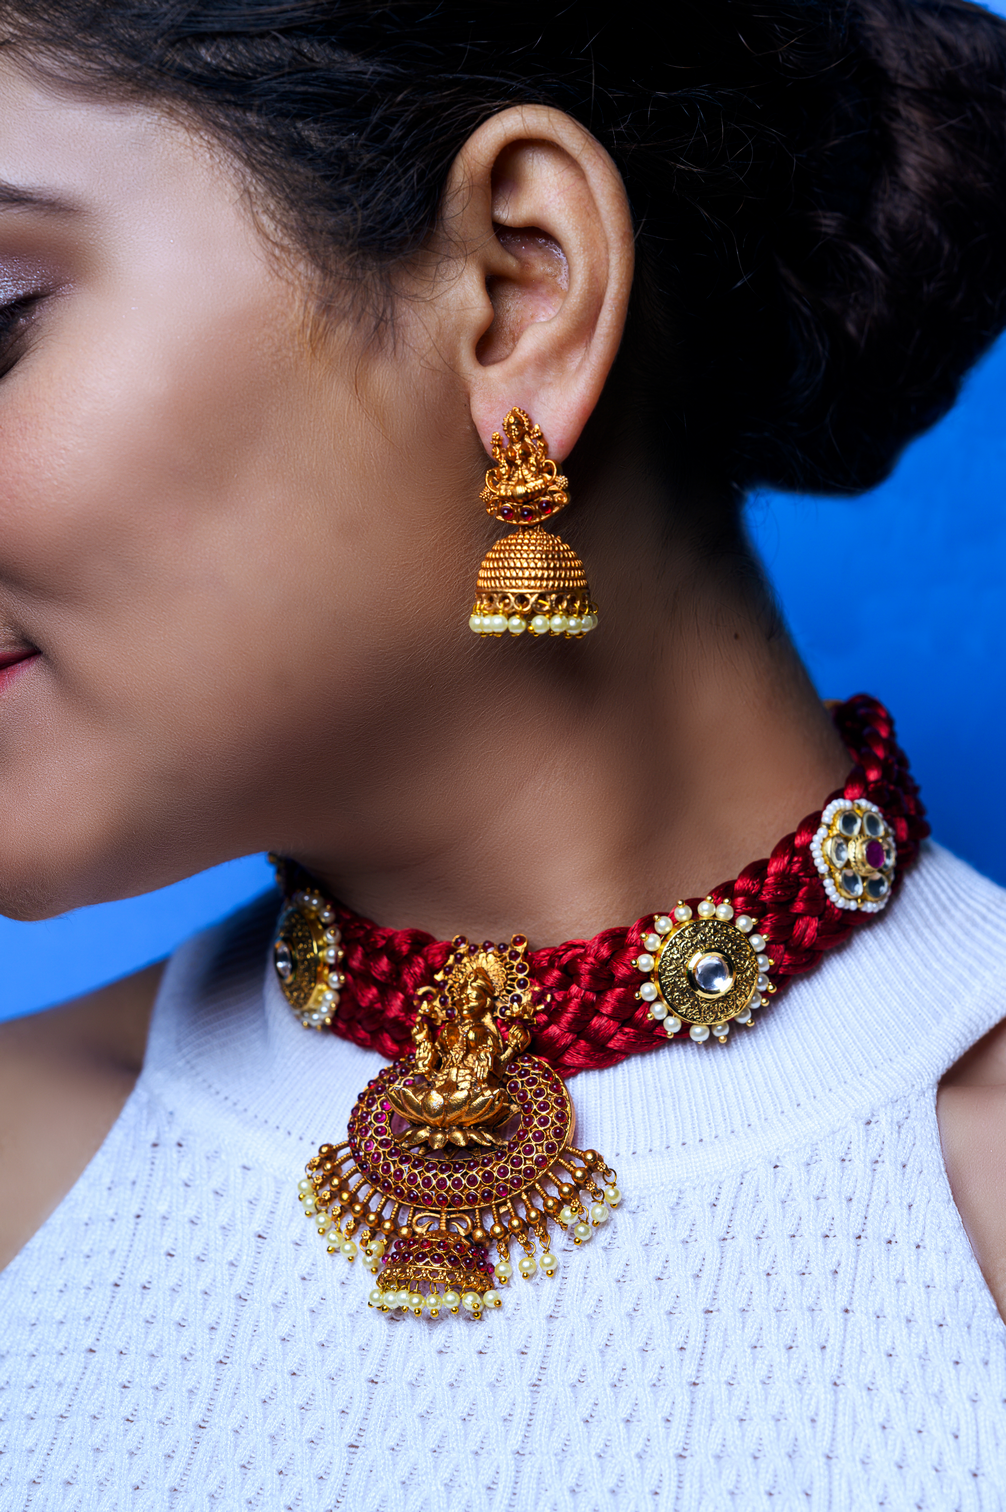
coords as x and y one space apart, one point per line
529 580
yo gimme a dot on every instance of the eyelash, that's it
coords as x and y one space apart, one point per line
15 321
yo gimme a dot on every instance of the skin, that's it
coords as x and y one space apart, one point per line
237 556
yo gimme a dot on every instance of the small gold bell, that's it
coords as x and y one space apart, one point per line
530 580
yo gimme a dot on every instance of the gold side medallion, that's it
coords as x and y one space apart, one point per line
708 971
465 1141
856 853
307 953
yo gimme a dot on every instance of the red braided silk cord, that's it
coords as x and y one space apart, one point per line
589 1015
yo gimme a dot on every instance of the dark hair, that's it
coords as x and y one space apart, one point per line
819 188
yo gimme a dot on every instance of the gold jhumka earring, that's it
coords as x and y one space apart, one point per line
529 580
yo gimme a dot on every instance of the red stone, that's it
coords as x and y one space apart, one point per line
874 854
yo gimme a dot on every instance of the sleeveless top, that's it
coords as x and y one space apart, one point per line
784 1311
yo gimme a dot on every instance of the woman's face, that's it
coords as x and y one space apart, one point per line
217 552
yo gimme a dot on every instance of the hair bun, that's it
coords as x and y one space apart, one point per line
829 299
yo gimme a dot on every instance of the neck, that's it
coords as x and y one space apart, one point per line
558 788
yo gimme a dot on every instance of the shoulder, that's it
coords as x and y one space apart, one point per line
109 1023
971 1103
64 1077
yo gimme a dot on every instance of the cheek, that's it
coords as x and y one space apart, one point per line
229 582
141 536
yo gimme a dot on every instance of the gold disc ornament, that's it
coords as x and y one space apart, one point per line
307 954
468 1141
705 968
530 580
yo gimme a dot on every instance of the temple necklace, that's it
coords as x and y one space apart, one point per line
467 1137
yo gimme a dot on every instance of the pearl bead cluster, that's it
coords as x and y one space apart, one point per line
538 624
575 1218
649 992
322 1006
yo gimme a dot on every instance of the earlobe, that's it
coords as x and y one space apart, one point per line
546 236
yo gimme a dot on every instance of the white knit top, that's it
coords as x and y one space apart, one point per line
785 1311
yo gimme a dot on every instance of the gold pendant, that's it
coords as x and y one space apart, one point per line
465 1141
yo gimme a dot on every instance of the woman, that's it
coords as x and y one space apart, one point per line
275 275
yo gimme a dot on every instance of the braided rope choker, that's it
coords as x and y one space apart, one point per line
466 1137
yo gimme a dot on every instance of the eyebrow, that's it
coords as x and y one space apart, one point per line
17 196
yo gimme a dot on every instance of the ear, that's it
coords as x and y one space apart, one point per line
539 240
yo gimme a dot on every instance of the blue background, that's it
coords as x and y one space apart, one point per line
898 593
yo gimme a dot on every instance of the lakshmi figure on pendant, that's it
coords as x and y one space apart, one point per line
459 1097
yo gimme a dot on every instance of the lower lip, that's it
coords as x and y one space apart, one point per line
12 671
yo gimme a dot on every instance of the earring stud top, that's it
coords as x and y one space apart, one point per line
525 487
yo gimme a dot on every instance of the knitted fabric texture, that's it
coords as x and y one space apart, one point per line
784 1312
593 1017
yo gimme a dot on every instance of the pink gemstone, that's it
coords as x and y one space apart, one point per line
874 854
